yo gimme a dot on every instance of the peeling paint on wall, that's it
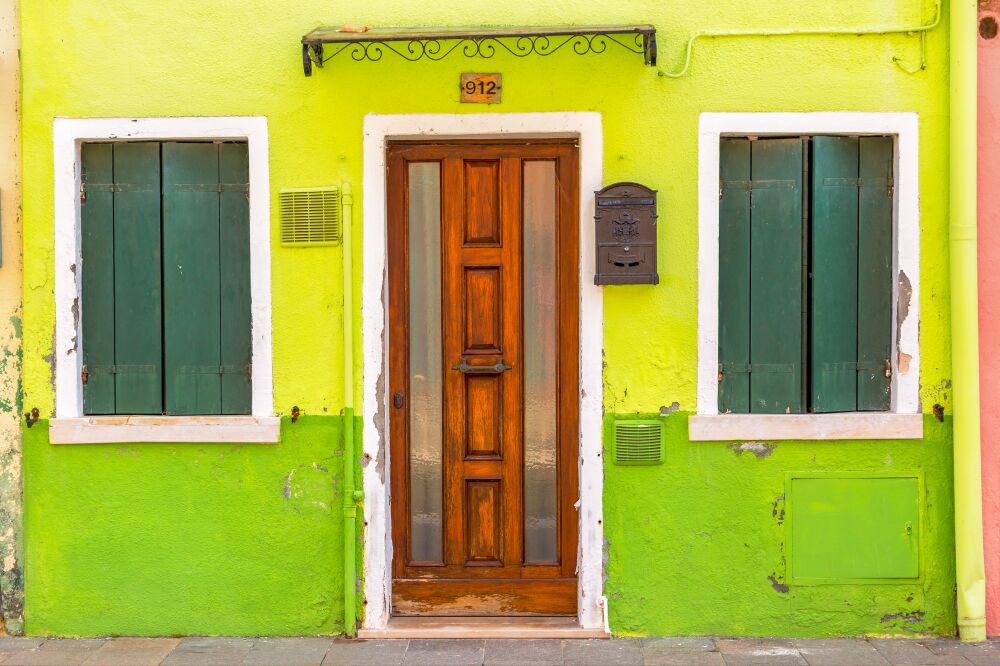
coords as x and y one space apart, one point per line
11 579
760 450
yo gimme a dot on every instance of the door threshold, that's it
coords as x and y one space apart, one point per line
483 627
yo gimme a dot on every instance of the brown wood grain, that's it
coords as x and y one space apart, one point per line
483 569
484 597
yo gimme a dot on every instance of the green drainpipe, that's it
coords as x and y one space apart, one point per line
351 496
969 568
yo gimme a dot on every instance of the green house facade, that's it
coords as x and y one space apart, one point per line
648 329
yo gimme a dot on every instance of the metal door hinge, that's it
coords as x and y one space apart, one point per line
83 193
84 374
250 372
888 369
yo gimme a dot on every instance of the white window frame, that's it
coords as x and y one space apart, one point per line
903 420
70 425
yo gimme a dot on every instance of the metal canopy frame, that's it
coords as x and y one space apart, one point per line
414 44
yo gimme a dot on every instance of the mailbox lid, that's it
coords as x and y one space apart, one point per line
626 194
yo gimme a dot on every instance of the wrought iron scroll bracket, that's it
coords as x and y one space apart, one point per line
413 45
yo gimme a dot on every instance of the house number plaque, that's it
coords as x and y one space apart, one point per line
625 214
481 88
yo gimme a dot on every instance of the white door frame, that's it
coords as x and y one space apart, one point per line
378 129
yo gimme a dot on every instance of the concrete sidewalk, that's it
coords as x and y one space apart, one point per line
314 651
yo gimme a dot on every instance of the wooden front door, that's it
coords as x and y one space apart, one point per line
483 377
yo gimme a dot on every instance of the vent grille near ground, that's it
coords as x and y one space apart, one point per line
638 442
310 216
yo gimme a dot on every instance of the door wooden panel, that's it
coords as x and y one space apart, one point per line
482 384
484 300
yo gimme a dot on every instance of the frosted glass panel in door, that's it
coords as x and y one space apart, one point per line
424 224
540 358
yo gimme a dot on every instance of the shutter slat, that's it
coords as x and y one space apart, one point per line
734 277
234 249
137 265
875 272
191 279
97 276
776 276
834 296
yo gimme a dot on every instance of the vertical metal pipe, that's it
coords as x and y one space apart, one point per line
969 568
350 500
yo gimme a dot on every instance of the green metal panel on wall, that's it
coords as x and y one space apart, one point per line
853 527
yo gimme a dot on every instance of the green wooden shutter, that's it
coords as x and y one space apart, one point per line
98 278
875 272
834 296
120 244
235 272
191 278
776 312
138 329
206 278
734 276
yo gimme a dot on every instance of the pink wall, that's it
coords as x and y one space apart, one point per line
989 298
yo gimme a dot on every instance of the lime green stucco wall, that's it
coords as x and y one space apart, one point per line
175 539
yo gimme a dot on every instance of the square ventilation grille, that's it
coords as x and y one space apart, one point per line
638 442
310 216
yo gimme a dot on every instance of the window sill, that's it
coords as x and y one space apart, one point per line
174 429
721 427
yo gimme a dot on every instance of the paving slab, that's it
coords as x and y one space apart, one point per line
308 651
675 657
595 652
141 643
209 651
910 652
760 652
839 652
443 652
72 643
691 643
14 643
38 657
360 652
511 652
981 654
126 657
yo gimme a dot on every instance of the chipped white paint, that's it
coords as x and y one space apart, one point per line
378 543
68 134
906 261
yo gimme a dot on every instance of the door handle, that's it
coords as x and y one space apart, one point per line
467 369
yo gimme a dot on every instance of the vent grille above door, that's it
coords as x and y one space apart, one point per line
310 216
638 442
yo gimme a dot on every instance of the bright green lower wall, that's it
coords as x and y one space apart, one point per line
696 546
159 539
173 539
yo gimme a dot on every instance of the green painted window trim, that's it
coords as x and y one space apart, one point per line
789 523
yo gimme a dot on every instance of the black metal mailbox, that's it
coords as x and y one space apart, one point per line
625 214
